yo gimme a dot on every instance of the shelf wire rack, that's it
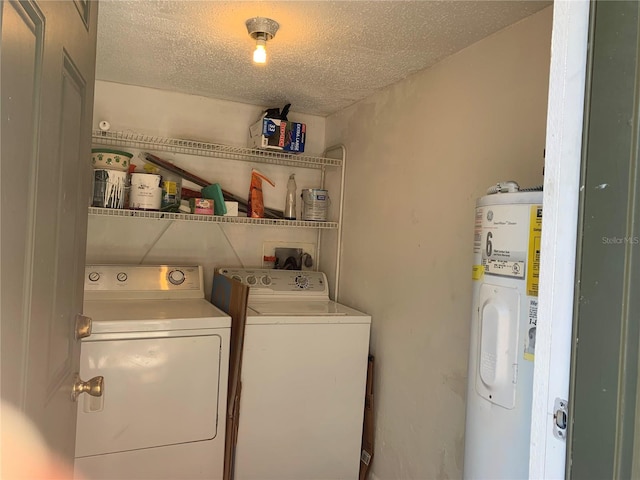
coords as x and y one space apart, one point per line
203 149
116 212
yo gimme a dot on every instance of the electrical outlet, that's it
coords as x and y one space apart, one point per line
277 254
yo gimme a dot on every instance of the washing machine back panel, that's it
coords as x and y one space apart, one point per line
157 391
282 283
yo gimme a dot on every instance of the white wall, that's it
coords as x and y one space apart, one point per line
176 115
418 155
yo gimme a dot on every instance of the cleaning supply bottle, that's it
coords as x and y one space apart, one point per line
255 207
290 202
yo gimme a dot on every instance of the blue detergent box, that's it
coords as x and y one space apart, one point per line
276 134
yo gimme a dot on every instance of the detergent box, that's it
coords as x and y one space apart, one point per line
276 134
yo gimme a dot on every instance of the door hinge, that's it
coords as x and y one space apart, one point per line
560 419
83 326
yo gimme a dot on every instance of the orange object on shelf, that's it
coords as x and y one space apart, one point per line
256 201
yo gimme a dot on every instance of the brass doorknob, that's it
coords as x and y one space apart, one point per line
94 387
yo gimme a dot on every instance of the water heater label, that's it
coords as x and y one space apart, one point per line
507 268
535 239
477 232
503 236
530 339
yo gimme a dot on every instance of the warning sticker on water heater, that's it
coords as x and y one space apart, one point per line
477 232
530 339
535 239
477 272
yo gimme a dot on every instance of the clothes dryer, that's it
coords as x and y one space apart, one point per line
163 351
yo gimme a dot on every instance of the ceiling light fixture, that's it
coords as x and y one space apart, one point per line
261 29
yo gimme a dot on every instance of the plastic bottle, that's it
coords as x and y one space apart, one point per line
255 204
290 202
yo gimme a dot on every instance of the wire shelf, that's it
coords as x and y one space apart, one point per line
190 147
113 212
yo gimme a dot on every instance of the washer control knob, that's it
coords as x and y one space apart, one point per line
252 280
266 280
122 277
302 281
176 277
237 277
94 276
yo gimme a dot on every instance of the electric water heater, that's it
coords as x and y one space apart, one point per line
506 248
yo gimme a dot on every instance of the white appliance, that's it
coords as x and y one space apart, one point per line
304 369
163 351
508 229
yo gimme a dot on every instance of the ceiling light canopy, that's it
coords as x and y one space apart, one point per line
261 29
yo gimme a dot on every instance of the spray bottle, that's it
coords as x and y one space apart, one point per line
255 207
290 202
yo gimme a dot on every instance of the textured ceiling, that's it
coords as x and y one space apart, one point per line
326 55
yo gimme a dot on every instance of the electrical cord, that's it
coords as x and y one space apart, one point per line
290 264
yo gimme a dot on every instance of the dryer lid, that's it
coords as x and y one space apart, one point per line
119 316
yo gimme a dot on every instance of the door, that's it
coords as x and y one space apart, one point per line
559 228
47 52
604 376
145 404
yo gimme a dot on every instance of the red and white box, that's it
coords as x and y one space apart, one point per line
201 206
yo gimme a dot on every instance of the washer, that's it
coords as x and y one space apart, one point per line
304 369
163 351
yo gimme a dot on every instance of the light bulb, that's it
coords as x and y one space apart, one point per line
260 53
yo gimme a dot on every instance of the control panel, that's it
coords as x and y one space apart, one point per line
143 278
285 282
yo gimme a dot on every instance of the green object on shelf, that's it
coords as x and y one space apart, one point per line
214 192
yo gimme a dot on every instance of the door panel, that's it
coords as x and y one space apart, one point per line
48 65
61 346
22 39
604 377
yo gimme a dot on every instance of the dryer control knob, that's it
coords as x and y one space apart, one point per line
176 277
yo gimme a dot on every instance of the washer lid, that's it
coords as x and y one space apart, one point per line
116 316
322 311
